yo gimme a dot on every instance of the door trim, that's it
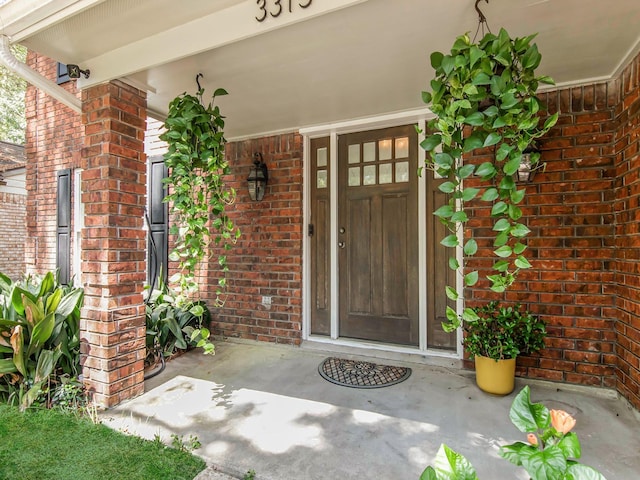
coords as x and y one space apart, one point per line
419 117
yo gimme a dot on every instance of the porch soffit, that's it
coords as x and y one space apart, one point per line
336 60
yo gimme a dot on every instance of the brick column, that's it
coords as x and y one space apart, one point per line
113 241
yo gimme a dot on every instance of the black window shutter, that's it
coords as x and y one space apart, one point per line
63 226
158 219
62 74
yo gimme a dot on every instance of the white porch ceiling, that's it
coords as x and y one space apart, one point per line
336 60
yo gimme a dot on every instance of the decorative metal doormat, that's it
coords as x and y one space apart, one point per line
359 374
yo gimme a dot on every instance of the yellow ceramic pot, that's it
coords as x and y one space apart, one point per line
495 376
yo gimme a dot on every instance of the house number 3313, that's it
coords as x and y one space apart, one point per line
275 8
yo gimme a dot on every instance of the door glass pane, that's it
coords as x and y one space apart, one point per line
386 173
402 147
402 172
354 176
369 175
322 179
384 147
369 152
321 156
354 153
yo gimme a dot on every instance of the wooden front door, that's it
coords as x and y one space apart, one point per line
378 235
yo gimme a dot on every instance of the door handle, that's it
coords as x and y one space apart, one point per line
341 244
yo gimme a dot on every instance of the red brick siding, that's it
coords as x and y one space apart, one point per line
267 260
114 241
627 236
583 214
53 142
13 227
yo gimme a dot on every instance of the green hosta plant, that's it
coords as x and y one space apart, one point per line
39 335
484 97
551 452
198 194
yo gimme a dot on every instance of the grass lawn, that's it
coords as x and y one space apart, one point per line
47 444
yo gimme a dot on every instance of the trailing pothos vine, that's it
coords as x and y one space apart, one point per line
484 96
198 195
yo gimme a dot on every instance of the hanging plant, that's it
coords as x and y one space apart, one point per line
197 195
484 96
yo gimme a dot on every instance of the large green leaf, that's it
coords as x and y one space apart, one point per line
429 474
46 364
486 170
70 301
450 241
33 312
41 333
513 452
545 464
5 284
470 279
473 141
577 471
445 211
47 285
7 366
469 193
450 465
481 79
526 416
53 301
492 139
431 142
570 445
475 119
16 299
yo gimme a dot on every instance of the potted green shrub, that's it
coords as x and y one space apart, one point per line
496 338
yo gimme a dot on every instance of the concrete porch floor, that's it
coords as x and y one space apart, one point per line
261 407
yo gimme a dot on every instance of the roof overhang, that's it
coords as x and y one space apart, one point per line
335 60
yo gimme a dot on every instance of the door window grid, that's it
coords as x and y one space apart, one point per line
321 168
378 163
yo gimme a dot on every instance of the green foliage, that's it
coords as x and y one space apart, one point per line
48 444
69 396
39 336
503 332
172 327
12 101
484 96
551 452
250 475
179 443
198 195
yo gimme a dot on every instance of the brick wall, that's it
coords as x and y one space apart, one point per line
627 236
267 260
54 139
583 214
12 224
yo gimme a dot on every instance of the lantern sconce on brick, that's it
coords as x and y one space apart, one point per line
258 178
74 71
525 171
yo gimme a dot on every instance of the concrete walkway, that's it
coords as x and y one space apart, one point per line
261 407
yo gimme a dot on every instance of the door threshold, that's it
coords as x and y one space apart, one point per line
341 346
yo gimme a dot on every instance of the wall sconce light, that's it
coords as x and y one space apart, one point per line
74 71
526 171
258 177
